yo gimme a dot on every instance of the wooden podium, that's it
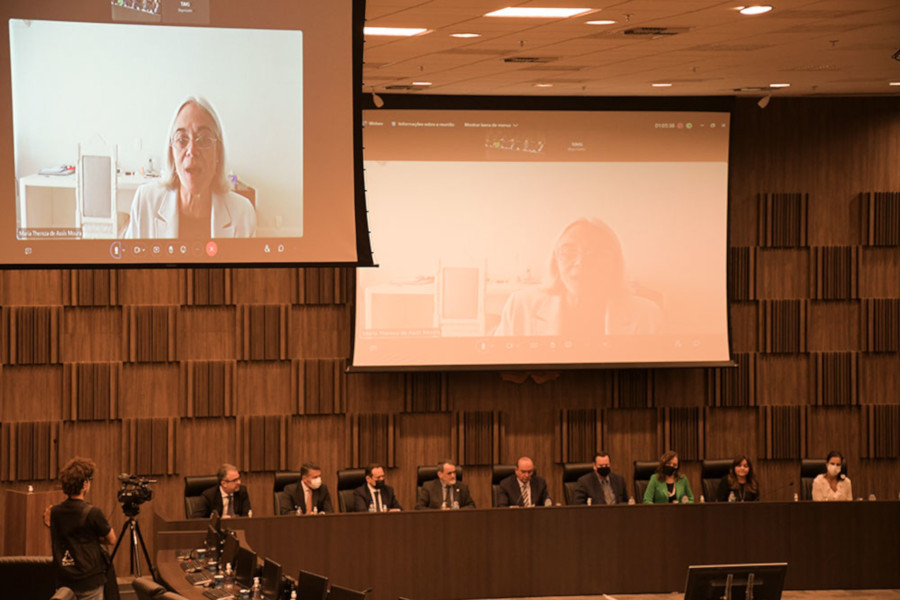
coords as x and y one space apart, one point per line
26 533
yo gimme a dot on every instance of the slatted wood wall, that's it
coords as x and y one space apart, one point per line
170 372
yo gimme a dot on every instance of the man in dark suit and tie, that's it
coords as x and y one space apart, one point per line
523 488
228 498
446 491
375 495
308 496
602 486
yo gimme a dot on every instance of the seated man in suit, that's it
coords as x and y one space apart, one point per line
445 492
374 495
523 488
602 486
228 498
307 496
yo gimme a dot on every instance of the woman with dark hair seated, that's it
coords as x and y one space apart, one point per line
740 484
667 485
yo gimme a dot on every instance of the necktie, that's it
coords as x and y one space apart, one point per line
526 495
447 495
378 505
230 510
607 491
309 505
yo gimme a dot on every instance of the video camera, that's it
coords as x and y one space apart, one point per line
134 492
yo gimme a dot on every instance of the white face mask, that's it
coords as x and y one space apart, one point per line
834 470
315 483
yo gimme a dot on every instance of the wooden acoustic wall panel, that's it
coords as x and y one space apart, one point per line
834 273
150 333
782 432
319 439
264 286
425 392
880 324
208 287
783 326
880 218
633 388
835 378
742 274
154 287
684 430
28 451
733 386
834 428
30 287
261 441
881 430
325 285
208 388
148 446
90 287
729 432
879 272
262 332
372 439
33 334
578 434
879 378
479 435
91 391
319 386
783 220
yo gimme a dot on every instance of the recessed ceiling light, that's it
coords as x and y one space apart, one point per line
661 84
779 85
395 31
601 22
537 12
543 85
465 35
422 83
756 9
894 83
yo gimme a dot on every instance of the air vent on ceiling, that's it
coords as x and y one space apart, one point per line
655 31
530 59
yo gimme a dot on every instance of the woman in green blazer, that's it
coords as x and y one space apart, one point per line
667 485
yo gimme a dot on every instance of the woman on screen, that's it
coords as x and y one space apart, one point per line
740 484
587 295
667 485
192 200
832 484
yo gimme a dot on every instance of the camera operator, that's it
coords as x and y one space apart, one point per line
77 530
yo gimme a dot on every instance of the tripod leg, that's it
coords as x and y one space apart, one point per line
135 559
119 541
140 537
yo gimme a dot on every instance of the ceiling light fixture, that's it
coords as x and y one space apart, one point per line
543 85
465 35
661 85
421 83
395 31
895 83
601 22
538 12
756 9
779 85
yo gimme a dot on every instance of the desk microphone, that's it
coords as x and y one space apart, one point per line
778 489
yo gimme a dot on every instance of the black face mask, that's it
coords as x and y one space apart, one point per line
603 471
669 470
379 484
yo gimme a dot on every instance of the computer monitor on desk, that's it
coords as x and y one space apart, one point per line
245 569
271 579
761 581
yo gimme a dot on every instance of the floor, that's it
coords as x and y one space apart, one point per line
814 595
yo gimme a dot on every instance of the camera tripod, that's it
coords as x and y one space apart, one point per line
133 528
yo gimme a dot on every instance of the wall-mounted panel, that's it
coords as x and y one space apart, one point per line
33 334
742 274
150 333
264 388
880 218
834 428
833 326
91 391
834 273
578 435
90 287
92 335
881 430
782 273
733 386
148 446
372 439
208 388
684 429
261 440
730 433
783 326
159 287
319 386
262 332
31 393
835 378
322 331
425 392
782 434
879 272
479 434
150 390
264 286
633 388
783 380
325 285
783 220
208 287
880 325
28 450
207 333
31 287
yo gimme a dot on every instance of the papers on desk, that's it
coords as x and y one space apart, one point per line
60 170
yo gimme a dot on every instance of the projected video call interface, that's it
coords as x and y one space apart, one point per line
507 238
151 139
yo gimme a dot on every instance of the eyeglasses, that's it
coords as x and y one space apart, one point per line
202 142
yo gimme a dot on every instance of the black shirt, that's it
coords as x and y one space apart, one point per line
75 531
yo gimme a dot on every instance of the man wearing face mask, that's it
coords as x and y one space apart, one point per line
375 495
602 486
308 496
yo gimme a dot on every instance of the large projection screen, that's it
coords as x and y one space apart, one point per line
532 238
98 86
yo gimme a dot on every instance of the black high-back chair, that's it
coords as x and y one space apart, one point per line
498 474
428 472
347 481
810 468
28 577
571 473
282 479
643 471
712 471
341 593
194 486
311 586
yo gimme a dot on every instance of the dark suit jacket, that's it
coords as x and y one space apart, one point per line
213 499
511 495
431 495
362 498
293 499
589 487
